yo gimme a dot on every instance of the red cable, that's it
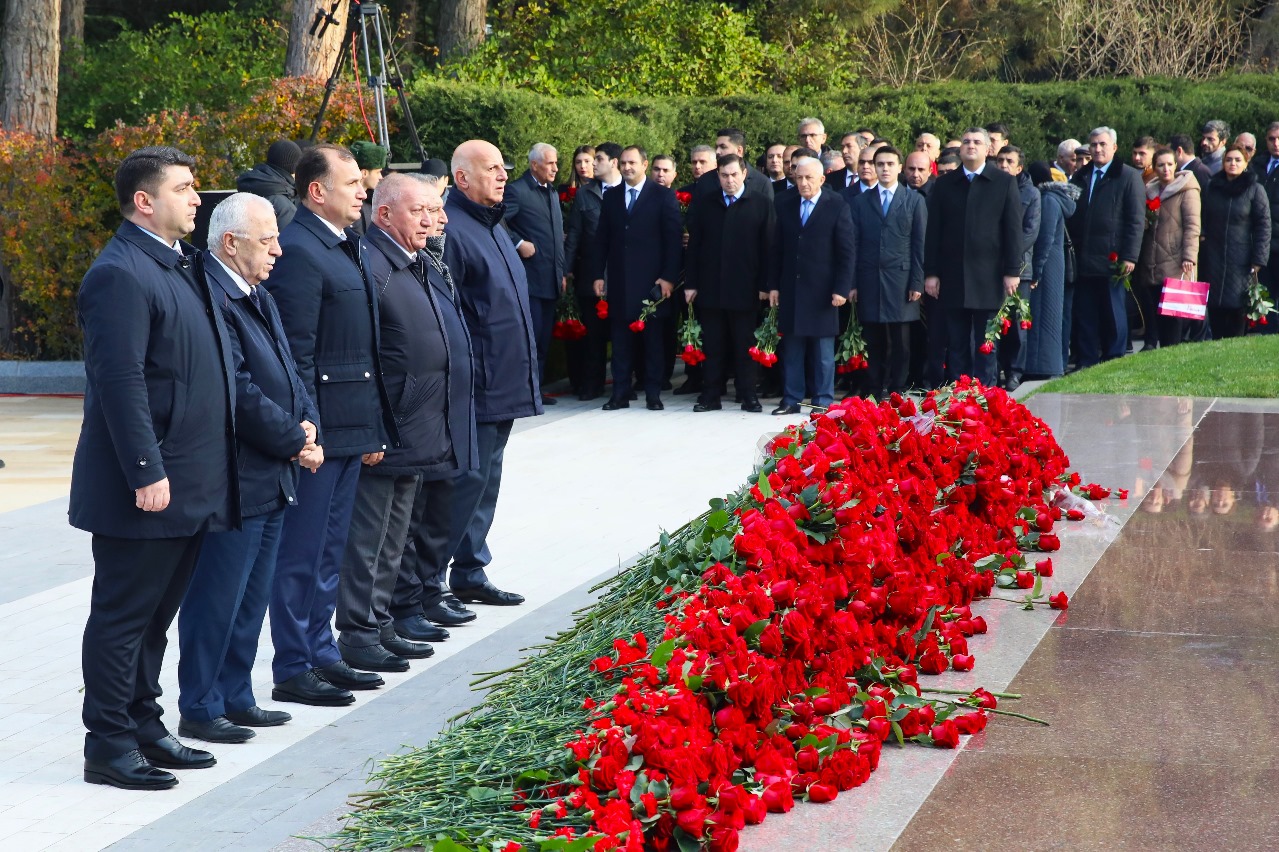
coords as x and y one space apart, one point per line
359 93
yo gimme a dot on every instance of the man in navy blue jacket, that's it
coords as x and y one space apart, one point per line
493 290
276 422
154 468
330 317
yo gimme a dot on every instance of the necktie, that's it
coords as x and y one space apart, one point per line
1096 175
1270 166
888 199
352 250
729 199
415 266
631 193
970 176
255 298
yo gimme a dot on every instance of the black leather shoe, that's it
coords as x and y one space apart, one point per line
753 406
168 753
655 405
702 406
416 628
688 387
219 730
447 616
130 771
614 404
407 648
549 400
256 717
310 688
372 658
344 677
487 593
786 409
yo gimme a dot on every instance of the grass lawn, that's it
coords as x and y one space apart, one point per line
1243 367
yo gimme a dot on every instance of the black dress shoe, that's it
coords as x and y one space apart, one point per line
416 628
407 648
168 753
219 730
372 658
445 615
129 771
688 387
344 677
703 406
549 400
655 405
614 404
753 406
487 593
786 409
256 717
310 688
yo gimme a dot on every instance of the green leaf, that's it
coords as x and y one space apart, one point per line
582 844
447 845
897 732
719 520
752 633
765 487
721 549
694 682
686 841
815 691
662 653
483 794
927 625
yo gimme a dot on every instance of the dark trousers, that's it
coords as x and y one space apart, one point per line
809 365
625 356
138 585
1067 322
304 592
474 503
374 548
221 618
728 336
1100 319
588 357
965 333
888 351
1227 322
1148 301
542 314
935 325
422 579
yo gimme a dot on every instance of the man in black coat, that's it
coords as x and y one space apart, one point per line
639 247
330 316
536 223
435 422
275 423
811 277
972 253
730 140
587 356
726 268
1183 148
1110 219
154 468
1267 168
494 294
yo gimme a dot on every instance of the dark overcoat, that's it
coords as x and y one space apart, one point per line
974 237
159 396
730 251
812 262
533 214
1236 237
889 259
1112 221
638 246
579 234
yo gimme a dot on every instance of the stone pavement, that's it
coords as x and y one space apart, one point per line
584 492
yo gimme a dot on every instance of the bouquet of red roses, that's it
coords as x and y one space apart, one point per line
850 348
1259 304
566 199
684 199
1015 305
568 322
690 339
601 309
764 352
1152 211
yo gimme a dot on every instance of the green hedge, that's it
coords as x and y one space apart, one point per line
1039 115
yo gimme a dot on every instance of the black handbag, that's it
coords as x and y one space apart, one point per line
1069 256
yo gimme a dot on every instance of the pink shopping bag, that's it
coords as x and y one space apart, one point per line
1185 299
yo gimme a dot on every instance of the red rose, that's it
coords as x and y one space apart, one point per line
945 735
637 326
1074 515
1044 567
778 798
1049 542
1059 601
1114 257
986 348
1025 325
962 662
601 309
1025 579
821 793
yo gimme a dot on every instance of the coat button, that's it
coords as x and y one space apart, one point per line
142 462
367 374
324 378
291 500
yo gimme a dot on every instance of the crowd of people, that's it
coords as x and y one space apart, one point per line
310 416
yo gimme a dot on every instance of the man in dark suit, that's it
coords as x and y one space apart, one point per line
972 253
788 163
865 172
330 316
1183 148
639 248
275 423
811 277
588 356
849 147
730 140
730 248
917 172
536 223
493 290
154 468
1109 219
1267 168
888 272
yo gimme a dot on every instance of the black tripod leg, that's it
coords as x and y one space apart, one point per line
329 86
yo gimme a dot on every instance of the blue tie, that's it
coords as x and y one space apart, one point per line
1096 175
888 199
971 175
805 208
631 194
729 199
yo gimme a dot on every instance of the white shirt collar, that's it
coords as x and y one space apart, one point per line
977 171
813 200
889 189
604 185
736 197
341 234
411 255
639 187
235 276
176 245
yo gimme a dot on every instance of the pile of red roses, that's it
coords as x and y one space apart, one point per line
797 652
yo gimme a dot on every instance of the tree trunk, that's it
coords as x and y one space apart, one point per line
72 23
29 87
461 26
312 55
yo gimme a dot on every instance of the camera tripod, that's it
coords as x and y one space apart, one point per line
363 17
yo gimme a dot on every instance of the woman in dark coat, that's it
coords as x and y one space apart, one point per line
1236 241
1045 349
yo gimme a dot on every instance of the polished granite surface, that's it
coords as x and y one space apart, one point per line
1160 680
